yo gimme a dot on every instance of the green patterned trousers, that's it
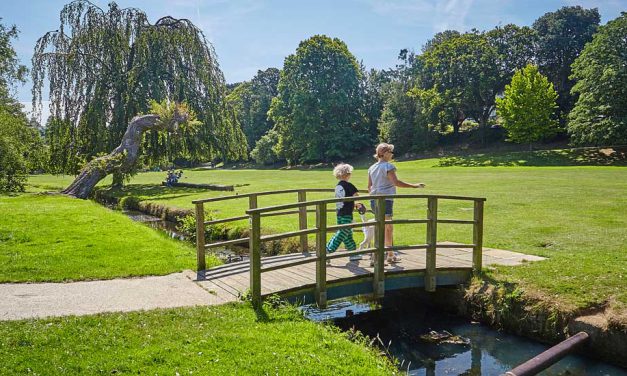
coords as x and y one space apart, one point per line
344 235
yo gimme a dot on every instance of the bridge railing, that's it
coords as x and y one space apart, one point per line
201 205
321 229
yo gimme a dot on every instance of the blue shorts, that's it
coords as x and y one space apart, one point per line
389 206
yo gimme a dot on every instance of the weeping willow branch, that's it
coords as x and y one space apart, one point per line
104 66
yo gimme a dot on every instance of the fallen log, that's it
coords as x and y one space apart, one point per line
212 187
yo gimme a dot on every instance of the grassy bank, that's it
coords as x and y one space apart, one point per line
572 214
222 340
56 238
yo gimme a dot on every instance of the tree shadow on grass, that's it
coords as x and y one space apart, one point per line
610 156
152 192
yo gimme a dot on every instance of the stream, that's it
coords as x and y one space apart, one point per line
404 322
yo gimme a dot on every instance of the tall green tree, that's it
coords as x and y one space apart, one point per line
527 110
600 114
468 70
251 102
317 111
104 66
562 36
20 143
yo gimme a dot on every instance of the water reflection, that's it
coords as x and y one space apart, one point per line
405 318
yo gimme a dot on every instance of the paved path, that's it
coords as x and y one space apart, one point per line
36 300
220 285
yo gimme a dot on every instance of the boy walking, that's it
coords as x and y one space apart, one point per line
344 210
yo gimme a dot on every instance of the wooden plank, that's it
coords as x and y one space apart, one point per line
302 220
255 255
231 219
356 198
477 237
321 252
378 278
432 238
200 237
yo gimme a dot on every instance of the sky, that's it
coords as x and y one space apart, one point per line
251 35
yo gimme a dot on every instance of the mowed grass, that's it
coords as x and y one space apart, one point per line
573 215
223 340
56 238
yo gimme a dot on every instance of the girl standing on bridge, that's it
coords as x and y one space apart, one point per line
382 180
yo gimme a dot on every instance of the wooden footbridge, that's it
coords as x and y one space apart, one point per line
320 276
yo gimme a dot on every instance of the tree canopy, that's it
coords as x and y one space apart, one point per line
251 102
600 114
104 67
317 112
561 37
527 109
21 149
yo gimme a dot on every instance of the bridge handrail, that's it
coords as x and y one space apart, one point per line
262 193
356 198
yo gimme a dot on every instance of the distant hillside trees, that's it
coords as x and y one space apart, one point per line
527 110
251 102
600 114
317 113
562 36
105 66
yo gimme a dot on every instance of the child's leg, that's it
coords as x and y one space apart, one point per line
344 235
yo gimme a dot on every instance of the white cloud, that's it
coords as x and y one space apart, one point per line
451 14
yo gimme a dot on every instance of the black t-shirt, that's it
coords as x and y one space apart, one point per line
345 189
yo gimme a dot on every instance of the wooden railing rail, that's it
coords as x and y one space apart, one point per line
202 247
321 229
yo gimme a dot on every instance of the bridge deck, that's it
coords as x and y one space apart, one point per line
229 281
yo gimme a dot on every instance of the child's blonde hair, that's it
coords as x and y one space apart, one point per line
342 170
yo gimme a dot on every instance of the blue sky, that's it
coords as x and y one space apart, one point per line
249 35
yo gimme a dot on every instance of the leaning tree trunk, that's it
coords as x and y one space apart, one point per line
123 158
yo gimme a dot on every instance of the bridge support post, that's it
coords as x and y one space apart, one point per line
200 237
477 237
255 253
321 253
432 239
302 220
378 280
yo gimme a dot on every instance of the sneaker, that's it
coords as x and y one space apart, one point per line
354 257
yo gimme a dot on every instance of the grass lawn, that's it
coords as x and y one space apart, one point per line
223 340
56 238
573 214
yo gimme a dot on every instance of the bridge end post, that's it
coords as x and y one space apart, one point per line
477 238
432 239
321 253
255 253
302 220
378 280
200 237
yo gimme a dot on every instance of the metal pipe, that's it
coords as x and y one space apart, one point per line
549 357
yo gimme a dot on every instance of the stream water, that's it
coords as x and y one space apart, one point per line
227 254
403 322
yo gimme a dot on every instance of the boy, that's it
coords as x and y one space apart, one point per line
344 210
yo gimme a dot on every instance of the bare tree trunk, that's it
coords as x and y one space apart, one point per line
121 159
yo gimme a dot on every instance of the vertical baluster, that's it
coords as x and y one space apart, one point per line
321 253
378 288
200 237
255 252
302 220
477 237
432 238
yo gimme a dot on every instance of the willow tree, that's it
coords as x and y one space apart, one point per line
103 67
